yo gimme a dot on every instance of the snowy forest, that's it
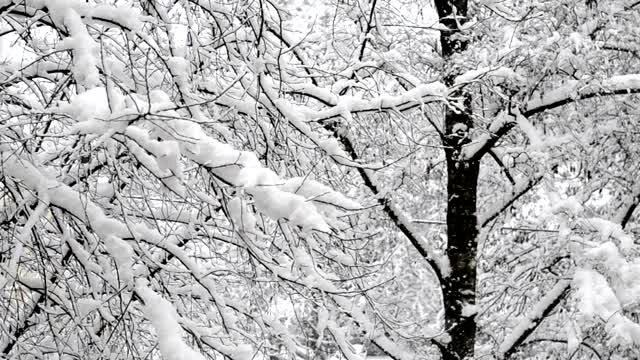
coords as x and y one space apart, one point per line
330 179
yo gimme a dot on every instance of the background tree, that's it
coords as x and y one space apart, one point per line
197 179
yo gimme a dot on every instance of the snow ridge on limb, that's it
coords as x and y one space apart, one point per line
418 96
349 157
530 322
164 319
497 75
576 90
499 127
128 17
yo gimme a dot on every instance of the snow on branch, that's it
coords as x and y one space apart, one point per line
521 187
164 319
112 231
577 90
126 17
595 297
420 95
438 262
531 321
84 48
483 144
497 75
308 274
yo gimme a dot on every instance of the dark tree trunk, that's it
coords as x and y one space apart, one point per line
459 289
451 13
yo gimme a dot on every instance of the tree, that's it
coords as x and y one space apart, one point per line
197 179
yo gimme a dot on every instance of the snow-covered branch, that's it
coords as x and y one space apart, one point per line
531 321
521 187
576 90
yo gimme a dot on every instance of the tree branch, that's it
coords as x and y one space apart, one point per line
501 164
575 90
517 193
546 305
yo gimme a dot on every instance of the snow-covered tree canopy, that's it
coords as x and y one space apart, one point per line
204 179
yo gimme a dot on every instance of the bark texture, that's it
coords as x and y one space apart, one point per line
459 289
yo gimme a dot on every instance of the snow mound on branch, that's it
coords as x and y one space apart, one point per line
595 297
85 306
596 300
126 17
610 229
279 204
122 253
316 191
240 215
89 105
498 75
164 319
84 48
624 275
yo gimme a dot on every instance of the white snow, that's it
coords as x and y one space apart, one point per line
574 337
87 305
469 310
570 205
122 253
575 89
164 319
85 50
497 75
535 136
240 215
536 313
313 190
595 297
596 300
608 229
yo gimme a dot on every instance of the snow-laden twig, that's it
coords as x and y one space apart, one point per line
533 319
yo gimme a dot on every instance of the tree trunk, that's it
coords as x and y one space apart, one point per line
460 288
451 14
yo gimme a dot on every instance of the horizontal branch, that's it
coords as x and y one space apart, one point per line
576 90
423 94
